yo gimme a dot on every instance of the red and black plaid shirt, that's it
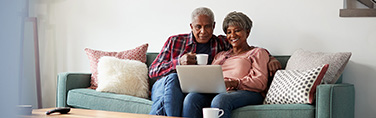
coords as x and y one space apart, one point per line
176 46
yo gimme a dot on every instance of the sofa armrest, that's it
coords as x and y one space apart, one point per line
67 81
335 101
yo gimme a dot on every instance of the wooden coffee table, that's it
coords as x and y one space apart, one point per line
86 113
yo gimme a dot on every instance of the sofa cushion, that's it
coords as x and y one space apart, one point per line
138 53
275 111
303 60
123 76
91 99
295 86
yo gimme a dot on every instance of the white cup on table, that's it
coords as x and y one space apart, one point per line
212 112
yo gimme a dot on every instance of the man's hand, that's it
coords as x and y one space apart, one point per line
273 65
231 85
188 59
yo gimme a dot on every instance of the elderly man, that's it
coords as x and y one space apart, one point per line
180 49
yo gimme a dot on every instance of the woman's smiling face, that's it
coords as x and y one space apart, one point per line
237 36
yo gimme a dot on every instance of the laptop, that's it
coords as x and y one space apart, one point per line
201 78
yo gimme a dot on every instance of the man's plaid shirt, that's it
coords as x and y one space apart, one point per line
178 45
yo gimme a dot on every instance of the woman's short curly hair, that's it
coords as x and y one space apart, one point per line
237 19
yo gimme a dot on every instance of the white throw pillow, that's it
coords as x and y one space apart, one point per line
295 86
123 76
303 60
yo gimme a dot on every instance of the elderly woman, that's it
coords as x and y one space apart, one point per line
244 68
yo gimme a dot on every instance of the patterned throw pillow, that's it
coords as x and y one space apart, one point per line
138 53
304 60
295 86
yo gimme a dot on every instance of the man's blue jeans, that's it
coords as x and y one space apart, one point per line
167 96
194 102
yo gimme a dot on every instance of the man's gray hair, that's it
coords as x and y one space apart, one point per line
237 19
202 11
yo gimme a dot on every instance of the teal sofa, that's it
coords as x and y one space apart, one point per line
332 100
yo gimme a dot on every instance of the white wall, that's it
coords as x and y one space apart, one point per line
280 26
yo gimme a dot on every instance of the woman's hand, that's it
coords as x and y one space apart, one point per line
231 85
273 66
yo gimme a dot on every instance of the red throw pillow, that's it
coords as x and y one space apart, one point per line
138 53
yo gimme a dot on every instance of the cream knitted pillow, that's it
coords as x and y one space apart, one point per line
123 76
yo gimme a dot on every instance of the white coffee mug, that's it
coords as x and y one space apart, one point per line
202 59
212 112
